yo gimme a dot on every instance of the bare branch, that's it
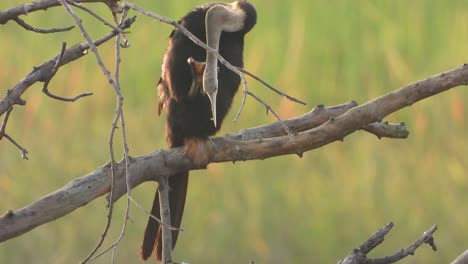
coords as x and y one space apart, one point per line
118 117
426 238
152 216
4 123
385 129
95 15
26 26
165 210
45 87
25 9
269 109
42 72
462 259
152 166
271 87
111 191
24 152
317 116
358 256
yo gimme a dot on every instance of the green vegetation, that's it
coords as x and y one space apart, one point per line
282 210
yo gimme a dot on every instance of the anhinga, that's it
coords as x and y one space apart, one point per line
197 93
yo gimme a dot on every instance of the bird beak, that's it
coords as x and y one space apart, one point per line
210 86
212 96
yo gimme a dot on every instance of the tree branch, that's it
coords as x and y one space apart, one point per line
45 87
462 259
42 72
165 210
25 9
255 146
26 26
358 256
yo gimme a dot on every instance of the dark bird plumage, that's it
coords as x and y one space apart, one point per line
189 111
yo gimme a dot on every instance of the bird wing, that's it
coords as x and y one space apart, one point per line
164 94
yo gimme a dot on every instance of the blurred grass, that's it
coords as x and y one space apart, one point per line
281 210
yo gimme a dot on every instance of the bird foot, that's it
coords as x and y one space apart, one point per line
199 151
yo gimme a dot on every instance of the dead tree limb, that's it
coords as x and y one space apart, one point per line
163 189
359 255
152 166
42 72
25 9
462 259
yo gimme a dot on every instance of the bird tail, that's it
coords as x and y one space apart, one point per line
153 233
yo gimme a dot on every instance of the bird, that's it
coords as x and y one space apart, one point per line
196 94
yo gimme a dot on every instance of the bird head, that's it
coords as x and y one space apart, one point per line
239 16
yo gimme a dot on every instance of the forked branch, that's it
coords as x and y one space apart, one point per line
230 148
359 255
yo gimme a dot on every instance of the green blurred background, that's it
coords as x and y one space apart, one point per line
281 210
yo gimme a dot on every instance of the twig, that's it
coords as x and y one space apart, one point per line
386 129
316 117
4 123
244 99
268 107
24 152
359 255
41 73
271 87
426 238
171 227
462 259
45 87
26 26
89 41
95 15
112 163
120 98
165 210
118 117
25 9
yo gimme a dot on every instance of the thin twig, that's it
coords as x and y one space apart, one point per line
244 99
24 152
118 60
95 15
89 41
45 87
26 26
91 255
25 9
4 123
271 87
171 227
359 255
426 238
119 116
116 118
269 109
165 210
41 72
